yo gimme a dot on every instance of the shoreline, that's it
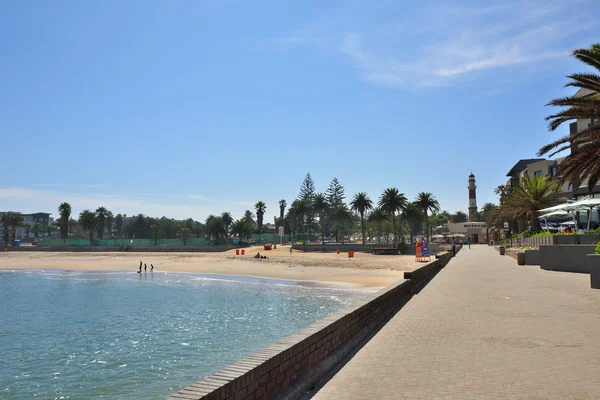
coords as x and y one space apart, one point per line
365 271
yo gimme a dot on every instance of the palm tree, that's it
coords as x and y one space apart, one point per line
64 209
411 214
15 221
282 204
532 195
361 203
583 162
185 235
101 214
260 208
88 222
215 228
109 222
341 219
37 228
5 221
392 201
427 202
155 228
227 220
242 229
321 206
377 217
301 211
292 217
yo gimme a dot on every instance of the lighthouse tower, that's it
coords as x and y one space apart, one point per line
472 197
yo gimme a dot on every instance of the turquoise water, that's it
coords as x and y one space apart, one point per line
73 335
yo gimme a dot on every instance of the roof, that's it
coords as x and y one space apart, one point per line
471 176
522 164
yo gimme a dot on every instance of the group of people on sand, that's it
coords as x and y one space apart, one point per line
145 267
259 256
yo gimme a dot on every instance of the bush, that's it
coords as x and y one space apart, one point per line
598 248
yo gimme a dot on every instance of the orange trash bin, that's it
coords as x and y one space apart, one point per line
237 252
243 251
338 251
350 254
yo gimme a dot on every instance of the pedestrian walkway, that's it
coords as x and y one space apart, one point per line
483 328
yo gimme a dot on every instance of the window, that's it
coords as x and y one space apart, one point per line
594 121
537 174
553 171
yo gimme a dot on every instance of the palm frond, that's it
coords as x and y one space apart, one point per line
589 56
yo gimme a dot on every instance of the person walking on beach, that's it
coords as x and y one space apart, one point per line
290 249
469 242
151 267
145 267
140 271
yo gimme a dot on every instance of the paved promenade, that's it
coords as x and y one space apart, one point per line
483 328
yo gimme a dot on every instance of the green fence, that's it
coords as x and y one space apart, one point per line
54 242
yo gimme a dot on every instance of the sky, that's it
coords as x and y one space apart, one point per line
190 108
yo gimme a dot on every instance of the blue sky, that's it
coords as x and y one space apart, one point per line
185 108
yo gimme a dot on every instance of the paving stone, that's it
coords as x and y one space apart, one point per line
483 328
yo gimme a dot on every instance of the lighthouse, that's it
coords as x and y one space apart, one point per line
472 197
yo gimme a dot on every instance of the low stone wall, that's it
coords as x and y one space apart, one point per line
332 248
130 249
533 257
291 366
567 258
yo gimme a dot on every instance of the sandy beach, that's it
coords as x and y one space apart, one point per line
364 270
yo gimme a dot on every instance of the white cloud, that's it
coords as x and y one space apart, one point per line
437 46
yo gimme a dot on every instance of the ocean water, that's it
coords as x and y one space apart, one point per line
121 335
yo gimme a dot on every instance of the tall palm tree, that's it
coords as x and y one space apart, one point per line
260 208
377 217
361 203
282 205
101 213
412 213
530 196
392 201
88 222
64 209
427 202
321 206
584 161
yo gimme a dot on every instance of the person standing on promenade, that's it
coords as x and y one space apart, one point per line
469 242
454 248
461 243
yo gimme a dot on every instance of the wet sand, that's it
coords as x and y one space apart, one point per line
364 270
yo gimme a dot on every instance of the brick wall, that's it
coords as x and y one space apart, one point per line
303 358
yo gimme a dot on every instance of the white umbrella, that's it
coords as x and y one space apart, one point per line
564 206
584 204
555 214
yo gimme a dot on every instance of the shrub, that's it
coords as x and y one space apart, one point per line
598 248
